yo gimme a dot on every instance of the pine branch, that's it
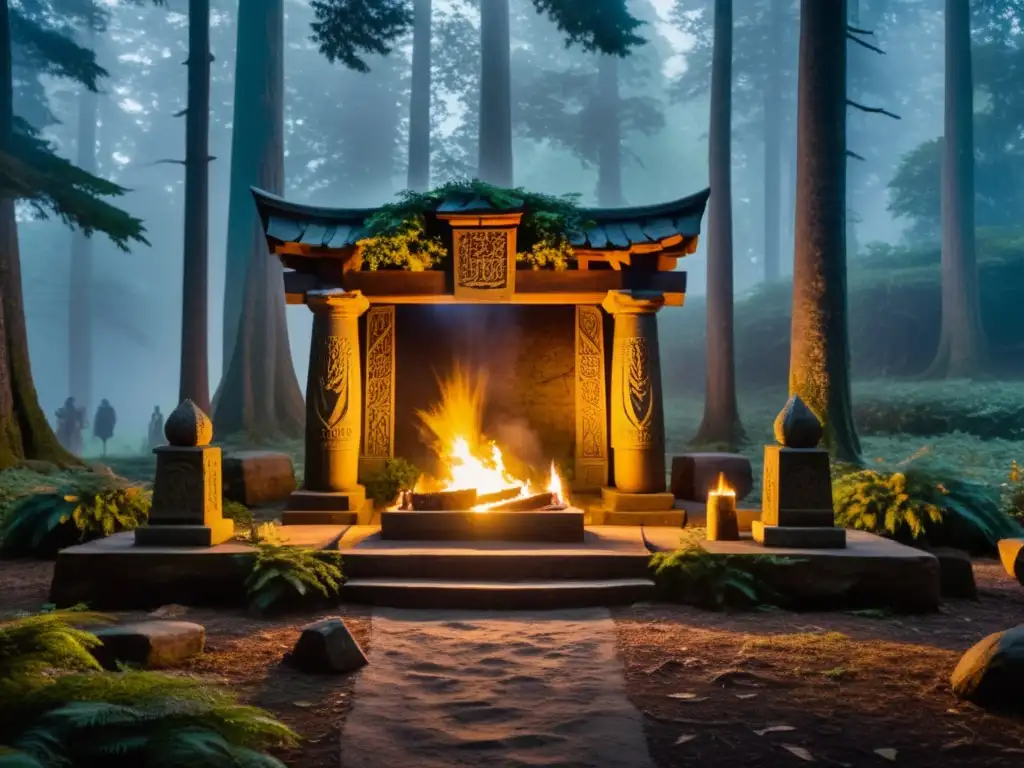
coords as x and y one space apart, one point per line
860 42
874 110
854 155
857 31
180 113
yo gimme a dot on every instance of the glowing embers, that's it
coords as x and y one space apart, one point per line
472 467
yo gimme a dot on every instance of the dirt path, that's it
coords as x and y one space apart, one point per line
448 689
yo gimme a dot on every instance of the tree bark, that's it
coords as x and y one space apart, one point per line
24 431
195 375
962 351
819 364
495 161
609 150
80 288
259 394
773 145
721 423
419 100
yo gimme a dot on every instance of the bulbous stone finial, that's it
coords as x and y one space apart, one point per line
796 426
188 426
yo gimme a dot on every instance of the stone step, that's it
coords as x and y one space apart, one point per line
493 595
452 564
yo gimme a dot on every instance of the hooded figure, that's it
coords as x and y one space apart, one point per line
156 428
70 423
103 424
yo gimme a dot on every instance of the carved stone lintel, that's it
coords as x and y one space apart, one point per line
379 422
637 415
591 470
333 391
485 263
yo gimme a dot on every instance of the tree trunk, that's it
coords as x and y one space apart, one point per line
961 351
773 145
819 363
80 288
495 162
721 423
419 100
195 375
24 430
609 150
259 394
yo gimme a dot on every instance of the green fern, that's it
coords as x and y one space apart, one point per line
31 645
1013 493
694 576
283 573
85 507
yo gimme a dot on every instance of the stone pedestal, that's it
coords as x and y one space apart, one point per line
333 408
637 415
187 506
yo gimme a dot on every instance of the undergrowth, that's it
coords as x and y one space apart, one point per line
284 576
383 486
694 576
58 708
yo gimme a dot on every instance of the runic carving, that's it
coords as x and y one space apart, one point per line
637 390
177 493
591 406
214 493
483 259
333 392
380 383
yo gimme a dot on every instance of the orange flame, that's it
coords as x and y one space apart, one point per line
723 488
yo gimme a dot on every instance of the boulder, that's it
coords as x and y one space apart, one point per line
149 644
956 573
1011 553
694 473
327 646
258 477
991 674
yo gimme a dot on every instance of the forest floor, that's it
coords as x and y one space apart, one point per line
764 688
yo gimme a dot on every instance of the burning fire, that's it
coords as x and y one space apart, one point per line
723 488
469 460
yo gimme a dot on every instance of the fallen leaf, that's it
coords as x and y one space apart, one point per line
685 738
687 697
800 752
888 754
775 729
745 695
303 704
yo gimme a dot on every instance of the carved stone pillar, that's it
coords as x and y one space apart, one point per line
637 413
379 421
591 470
333 408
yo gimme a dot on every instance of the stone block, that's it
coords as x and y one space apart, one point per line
362 516
797 487
1011 554
211 535
327 646
956 573
187 489
149 644
258 477
693 474
615 500
675 518
991 673
324 501
794 537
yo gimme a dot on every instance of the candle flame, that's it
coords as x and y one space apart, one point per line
723 488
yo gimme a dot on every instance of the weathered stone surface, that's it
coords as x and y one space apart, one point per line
796 426
188 426
991 673
258 477
615 500
956 574
150 644
693 474
796 488
798 537
327 646
1011 553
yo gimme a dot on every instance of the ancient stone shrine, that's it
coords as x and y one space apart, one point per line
557 363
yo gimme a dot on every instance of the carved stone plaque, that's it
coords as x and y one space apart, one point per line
379 434
485 263
591 403
637 392
334 392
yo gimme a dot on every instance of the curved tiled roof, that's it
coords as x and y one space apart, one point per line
622 228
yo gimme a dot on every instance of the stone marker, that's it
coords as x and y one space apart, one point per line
149 644
694 473
187 508
796 493
956 573
991 673
258 477
1011 554
327 646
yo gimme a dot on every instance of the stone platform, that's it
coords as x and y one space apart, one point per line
492 525
871 572
114 574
